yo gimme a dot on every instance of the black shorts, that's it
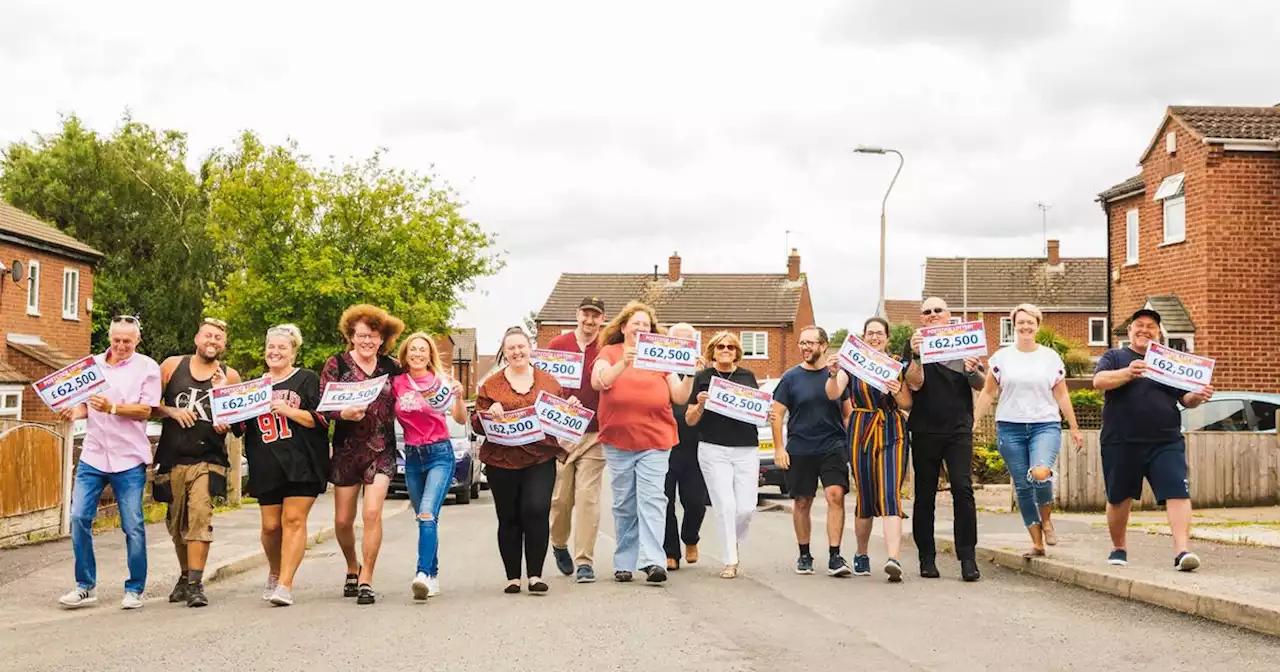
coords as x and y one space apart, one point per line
805 470
1164 466
277 495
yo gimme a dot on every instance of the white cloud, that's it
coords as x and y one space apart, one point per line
601 137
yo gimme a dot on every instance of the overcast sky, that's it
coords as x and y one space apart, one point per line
597 137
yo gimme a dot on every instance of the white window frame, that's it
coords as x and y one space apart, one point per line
1131 237
756 338
1103 321
954 320
1178 207
33 288
70 293
7 391
1006 330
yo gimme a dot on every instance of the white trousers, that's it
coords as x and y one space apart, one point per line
733 476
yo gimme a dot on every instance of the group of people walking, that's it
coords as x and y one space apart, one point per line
651 429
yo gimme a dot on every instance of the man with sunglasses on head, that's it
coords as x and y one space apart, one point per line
941 426
191 461
116 452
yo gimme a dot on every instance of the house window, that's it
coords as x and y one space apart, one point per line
755 344
70 294
1131 237
11 402
33 288
1180 342
1006 331
1175 208
1097 331
954 320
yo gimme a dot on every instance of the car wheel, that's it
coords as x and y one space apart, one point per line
463 496
475 490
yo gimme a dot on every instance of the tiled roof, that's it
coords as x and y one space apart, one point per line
1174 317
464 344
1002 283
1129 186
10 375
753 299
19 223
43 353
898 311
1236 123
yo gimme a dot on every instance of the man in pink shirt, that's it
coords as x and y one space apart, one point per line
116 451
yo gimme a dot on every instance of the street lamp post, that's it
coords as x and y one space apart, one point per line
862 149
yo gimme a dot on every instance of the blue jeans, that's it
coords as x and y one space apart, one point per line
427 472
639 482
128 487
1024 446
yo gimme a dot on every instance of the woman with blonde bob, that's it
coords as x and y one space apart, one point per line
728 449
1031 383
638 430
428 451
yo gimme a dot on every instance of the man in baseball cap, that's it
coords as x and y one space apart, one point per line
1142 438
580 475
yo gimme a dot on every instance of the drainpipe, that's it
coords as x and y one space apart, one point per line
1106 211
965 290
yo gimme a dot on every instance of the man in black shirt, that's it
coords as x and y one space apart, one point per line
685 476
1142 438
941 425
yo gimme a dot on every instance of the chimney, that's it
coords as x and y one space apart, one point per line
793 265
673 267
1054 259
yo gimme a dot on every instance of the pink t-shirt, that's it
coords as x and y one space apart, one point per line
111 443
421 424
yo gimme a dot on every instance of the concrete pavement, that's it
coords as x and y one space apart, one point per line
767 619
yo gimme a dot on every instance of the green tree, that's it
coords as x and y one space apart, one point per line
837 337
131 196
302 244
899 336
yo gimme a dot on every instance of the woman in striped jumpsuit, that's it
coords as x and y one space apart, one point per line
878 448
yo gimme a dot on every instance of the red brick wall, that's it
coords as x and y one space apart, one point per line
1227 271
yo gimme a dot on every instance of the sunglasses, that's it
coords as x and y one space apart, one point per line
127 319
214 322
726 346
933 311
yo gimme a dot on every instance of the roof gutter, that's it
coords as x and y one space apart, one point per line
1125 195
53 248
1245 144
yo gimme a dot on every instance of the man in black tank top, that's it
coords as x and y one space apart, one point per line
191 460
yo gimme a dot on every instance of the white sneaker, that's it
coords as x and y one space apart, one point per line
79 597
281 597
131 600
433 586
420 587
270 589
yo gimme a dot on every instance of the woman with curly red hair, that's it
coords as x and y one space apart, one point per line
364 440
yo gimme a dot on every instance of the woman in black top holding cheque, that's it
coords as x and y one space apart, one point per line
728 449
288 452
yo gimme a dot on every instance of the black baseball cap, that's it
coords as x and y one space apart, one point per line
1145 312
594 303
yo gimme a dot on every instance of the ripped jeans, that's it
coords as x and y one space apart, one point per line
428 471
1024 446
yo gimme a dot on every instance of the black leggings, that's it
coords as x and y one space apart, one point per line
522 500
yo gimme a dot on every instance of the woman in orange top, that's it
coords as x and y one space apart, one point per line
638 431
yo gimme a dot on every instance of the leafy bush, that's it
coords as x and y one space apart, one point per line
899 335
988 466
1086 398
1077 362
1050 338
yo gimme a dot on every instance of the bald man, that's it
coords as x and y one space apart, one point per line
684 474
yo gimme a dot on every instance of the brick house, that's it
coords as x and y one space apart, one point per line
46 317
1196 235
458 355
902 311
1070 291
765 310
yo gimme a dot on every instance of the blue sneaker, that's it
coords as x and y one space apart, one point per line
564 561
1187 561
1118 557
838 567
804 564
862 565
586 574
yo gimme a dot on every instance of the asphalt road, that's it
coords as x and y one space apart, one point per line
768 619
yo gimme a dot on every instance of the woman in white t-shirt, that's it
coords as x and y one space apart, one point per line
1029 379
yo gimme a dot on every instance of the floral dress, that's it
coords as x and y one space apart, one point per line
367 447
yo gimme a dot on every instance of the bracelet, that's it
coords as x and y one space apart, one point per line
113 409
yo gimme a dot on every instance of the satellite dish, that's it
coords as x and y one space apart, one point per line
17 271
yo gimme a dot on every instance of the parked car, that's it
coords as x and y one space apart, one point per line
1233 412
770 474
465 484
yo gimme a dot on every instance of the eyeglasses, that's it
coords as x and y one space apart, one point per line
371 336
933 311
127 319
811 344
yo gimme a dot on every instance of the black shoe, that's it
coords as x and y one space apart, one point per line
564 561
196 596
969 570
179 593
622 576
366 595
351 587
511 589
538 587
929 568
654 574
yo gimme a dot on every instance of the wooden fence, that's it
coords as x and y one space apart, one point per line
1224 469
31 475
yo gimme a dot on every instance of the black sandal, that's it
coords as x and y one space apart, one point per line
367 596
351 587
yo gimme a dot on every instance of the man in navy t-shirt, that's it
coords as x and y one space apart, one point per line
1142 438
815 448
